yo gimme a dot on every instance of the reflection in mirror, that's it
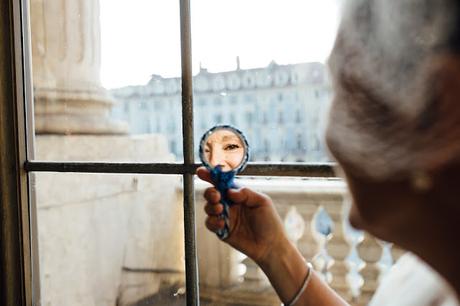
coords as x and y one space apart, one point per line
224 146
225 152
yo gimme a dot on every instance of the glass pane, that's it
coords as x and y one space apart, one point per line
260 65
107 72
110 239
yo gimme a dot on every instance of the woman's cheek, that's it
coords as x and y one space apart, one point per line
234 162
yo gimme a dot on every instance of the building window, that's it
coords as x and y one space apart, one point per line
249 98
143 105
280 117
233 119
201 102
233 99
300 142
298 117
218 119
249 118
218 101
264 118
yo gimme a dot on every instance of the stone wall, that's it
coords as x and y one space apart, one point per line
106 239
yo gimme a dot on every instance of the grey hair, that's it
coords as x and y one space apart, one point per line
386 118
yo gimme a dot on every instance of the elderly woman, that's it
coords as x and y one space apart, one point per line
394 129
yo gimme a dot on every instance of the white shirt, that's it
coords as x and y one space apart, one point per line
411 282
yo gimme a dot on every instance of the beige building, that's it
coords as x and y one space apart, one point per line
280 108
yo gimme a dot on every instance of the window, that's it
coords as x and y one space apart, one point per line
317 94
21 250
265 118
143 105
280 118
298 117
218 119
249 118
218 102
232 119
233 100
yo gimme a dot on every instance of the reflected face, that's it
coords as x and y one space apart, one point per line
225 148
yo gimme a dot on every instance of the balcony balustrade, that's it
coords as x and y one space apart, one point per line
315 218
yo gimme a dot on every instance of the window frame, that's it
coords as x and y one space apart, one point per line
19 258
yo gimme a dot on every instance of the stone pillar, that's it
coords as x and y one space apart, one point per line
338 248
69 98
370 251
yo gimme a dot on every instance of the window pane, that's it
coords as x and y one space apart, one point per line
260 65
110 239
106 71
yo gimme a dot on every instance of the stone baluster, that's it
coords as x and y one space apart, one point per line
396 252
254 277
338 248
308 244
294 224
295 227
321 235
370 251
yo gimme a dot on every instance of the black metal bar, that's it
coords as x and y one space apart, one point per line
253 169
319 170
103 167
155 271
15 262
191 262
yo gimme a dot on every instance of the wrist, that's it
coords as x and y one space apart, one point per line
285 268
277 251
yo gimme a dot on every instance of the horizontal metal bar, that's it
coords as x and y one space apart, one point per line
104 167
252 169
150 270
297 169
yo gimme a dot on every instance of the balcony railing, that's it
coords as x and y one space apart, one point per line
314 214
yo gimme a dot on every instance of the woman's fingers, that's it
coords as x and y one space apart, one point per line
204 174
212 195
213 209
214 223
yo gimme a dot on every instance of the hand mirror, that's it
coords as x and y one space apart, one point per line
224 151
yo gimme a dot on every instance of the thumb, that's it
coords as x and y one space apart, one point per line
248 197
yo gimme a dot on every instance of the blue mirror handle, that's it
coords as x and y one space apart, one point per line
223 181
223 233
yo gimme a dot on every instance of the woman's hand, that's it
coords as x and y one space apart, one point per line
255 227
257 231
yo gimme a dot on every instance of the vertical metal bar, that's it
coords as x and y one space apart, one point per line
15 262
28 113
23 81
191 264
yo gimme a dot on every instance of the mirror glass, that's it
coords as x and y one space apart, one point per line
224 146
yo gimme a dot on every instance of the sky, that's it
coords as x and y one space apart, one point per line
141 37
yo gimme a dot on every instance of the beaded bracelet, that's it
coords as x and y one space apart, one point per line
304 285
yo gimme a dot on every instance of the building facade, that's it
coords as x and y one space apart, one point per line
280 108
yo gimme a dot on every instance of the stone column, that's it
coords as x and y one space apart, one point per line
69 98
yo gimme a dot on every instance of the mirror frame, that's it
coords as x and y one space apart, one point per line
240 134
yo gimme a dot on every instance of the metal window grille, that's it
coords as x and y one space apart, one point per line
22 280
